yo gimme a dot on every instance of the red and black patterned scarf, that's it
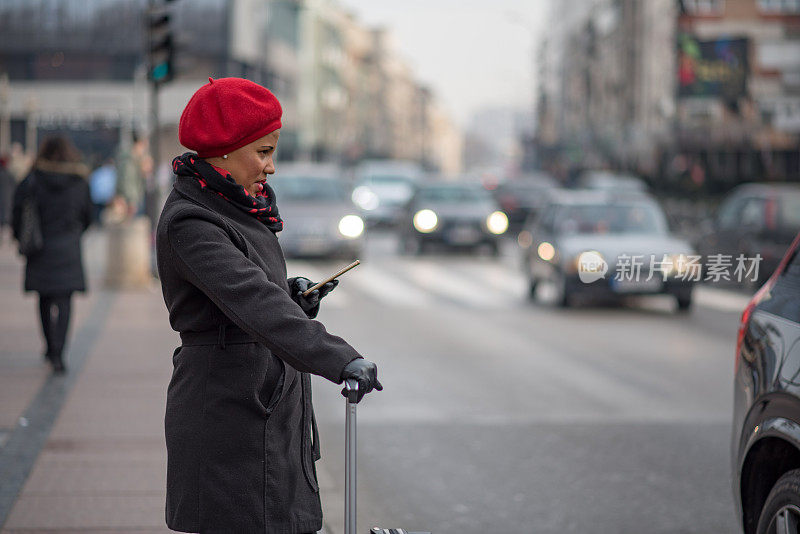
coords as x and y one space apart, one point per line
262 206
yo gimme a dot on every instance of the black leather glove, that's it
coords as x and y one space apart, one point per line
366 373
310 304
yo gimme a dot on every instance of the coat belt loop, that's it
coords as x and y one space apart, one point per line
222 336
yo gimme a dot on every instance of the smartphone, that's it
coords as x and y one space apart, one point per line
331 278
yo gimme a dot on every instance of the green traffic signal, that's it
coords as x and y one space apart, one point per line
160 72
160 46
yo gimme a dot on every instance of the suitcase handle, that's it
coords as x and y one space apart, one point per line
350 438
351 390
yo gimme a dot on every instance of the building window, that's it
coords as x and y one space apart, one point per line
704 7
779 6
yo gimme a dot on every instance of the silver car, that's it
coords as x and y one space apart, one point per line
606 245
319 218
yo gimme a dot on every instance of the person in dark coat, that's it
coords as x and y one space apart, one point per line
58 183
240 430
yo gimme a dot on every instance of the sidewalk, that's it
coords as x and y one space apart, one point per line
102 465
84 452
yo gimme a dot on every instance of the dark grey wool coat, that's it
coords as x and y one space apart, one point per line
65 210
241 439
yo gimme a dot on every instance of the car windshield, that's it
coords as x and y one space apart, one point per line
452 195
612 219
391 189
307 188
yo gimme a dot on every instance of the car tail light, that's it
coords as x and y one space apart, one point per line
745 320
759 296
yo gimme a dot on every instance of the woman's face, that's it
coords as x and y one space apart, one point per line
251 164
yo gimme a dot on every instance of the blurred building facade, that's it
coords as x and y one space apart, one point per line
695 94
346 93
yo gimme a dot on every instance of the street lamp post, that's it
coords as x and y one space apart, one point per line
160 70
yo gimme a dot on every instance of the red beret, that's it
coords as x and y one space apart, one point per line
227 114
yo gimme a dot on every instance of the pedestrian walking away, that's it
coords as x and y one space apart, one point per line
240 430
58 189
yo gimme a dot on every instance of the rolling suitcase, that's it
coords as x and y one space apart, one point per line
350 495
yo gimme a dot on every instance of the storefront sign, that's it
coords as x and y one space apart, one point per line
715 68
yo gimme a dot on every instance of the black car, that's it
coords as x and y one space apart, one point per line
523 197
766 417
755 219
454 215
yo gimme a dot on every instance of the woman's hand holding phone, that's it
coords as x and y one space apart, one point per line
332 277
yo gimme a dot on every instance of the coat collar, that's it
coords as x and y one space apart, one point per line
189 188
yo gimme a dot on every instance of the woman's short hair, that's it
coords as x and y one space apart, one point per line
59 148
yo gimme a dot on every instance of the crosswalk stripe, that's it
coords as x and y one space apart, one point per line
498 277
389 289
449 283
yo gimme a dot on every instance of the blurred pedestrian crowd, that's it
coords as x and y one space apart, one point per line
117 183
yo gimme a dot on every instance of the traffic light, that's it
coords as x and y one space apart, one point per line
161 49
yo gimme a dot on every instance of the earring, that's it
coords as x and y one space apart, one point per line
224 156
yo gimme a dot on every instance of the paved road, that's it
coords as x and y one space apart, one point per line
504 416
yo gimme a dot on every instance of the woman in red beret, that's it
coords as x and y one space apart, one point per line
240 429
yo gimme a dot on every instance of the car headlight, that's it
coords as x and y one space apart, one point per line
546 251
676 264
365 198
351 226
497 222
425 221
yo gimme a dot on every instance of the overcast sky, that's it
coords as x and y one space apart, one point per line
472 53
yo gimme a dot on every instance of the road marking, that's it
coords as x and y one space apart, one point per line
501 278
720 299
439 279
389 289
472 284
